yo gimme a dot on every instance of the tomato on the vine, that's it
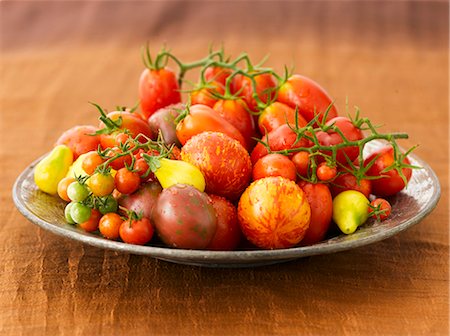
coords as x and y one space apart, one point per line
217 74
205 95
127 181
301 162
380 209
91 161
277 114
136 231
326 172
274 165
265 85
121 159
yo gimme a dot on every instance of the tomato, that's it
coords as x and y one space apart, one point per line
235 111
205 95
277 114
80 212
228 233
391 182
184 217
325 172
67 214
273 213
172 172
163 120
136 231
301 162
91 161
350 210
308 96
121 160
92 223
109 225
131 122
346 181
332 138
80 139
157 88
62 188
126 181
202 118
77 192
265 88
274 165
216 74
108 204
321 203
224 163
279 139
380 209
101 184
141 168
143 200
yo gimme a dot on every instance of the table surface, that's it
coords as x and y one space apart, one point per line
389 58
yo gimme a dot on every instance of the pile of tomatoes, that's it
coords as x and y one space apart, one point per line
250 158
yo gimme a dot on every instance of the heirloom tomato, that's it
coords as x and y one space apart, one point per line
274 165
350 210
308 96
163 121
277 114
143 200
273 213
80 139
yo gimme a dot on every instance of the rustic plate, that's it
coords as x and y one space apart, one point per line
409 207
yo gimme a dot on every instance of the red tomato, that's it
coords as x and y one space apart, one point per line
217 74
321 203
127 182
346 181
301 162
92 223
236 113
157 88
265 88
325 172
391 182
279 139
332 138
380 209
205 95
136 231
228 233
274 165
202 118
120 161
80 139
273 213
277 114
225 164
310 98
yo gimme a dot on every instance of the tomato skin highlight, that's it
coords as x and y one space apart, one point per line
308 96
157 89
321 203
274 213
391 182
274 165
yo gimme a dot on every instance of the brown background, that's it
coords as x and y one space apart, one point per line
389 58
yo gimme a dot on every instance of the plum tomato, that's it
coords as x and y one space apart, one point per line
157 88
80 139
308 96
127 181
347 181
216 74
184 217
274 213
205 95
321 203
274 165
91 224
143 200
380 209
109 225
136 231
163 121
388 181
277 114
228 233
223 161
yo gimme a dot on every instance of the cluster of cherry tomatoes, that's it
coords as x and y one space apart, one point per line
249 156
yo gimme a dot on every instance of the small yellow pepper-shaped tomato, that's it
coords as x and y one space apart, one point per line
171 172
52 169
350 210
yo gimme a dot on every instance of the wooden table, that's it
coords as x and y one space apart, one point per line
389 58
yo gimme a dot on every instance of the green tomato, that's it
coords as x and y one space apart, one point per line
77 192
350 210
109 205
80 213
67 214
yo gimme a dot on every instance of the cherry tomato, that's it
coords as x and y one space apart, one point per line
77 192
120 161
101 184
80 139
235 111
91 161
331 138
321 203
141 168
202 118
205 95
325 172
67 214
109 204
62 188
380 209
301 162
157 88
136 231
346 181
92 223
79 212
274 165
109 225
310 98
391 182
277 114
127 181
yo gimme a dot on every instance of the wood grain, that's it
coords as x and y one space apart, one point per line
389 58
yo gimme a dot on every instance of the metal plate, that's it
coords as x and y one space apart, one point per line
409 208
